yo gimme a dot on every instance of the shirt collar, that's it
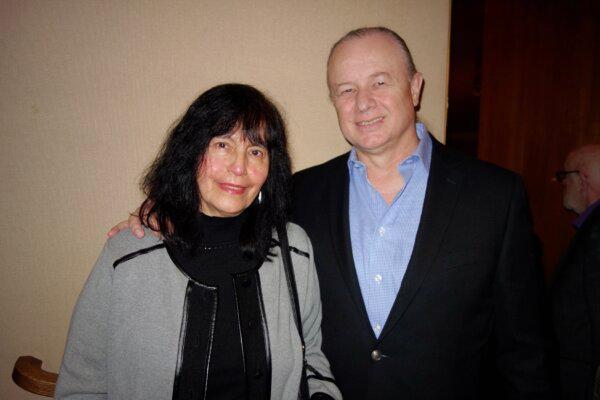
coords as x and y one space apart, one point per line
580 220
421 154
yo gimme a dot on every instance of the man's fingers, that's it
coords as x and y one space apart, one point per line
135 225
118 228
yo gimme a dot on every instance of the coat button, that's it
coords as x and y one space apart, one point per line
376 355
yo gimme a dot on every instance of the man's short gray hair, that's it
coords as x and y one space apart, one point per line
361 32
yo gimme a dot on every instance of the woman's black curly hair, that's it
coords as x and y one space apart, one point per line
170 184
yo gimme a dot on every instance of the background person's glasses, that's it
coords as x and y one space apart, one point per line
561 175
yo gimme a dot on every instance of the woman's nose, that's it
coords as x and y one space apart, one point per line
238 164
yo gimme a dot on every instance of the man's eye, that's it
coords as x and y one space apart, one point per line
380 83
346 91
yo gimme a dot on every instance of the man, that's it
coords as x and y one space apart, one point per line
424 257
576 291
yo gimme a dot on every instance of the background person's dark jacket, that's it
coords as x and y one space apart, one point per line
576 311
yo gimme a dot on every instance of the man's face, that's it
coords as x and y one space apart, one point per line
373 95
573 188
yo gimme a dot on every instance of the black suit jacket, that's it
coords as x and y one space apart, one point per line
576 310
469 303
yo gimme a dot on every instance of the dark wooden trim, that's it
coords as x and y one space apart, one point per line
29 375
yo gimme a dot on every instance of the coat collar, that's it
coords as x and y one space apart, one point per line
339 229
443 187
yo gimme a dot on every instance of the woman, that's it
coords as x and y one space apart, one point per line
205 312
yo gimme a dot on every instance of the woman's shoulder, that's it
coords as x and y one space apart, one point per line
125 244
297 236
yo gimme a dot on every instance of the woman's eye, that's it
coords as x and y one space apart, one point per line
221 145
257 152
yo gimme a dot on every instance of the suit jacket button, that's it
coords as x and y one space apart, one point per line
376 355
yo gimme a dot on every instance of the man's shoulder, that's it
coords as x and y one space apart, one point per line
335 165
479 173
591 226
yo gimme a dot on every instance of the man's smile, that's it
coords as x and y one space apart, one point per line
370 121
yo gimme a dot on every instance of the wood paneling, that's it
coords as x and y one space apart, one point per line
540 99
464 83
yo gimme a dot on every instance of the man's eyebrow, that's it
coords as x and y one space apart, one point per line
373 75
380 73
342 84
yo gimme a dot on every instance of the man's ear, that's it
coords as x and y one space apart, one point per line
416 84
584 179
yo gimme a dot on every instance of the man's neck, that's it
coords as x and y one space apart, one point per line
382 167
385 161
581 218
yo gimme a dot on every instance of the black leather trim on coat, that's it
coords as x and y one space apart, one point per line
195 342
254 337
317 375
129 256
292 249
254 334
320 396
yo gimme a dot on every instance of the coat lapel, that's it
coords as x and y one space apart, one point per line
440 199
339 224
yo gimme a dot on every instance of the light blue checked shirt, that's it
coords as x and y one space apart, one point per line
383 236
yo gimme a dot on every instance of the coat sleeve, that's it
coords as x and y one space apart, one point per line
521 342
83 372
321 384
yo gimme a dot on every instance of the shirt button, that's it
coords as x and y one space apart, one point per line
381 231
377 328
378 278
376 355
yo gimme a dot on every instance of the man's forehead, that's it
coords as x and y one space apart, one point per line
572 160
372 45
368 55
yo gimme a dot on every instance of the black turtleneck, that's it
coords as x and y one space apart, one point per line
212 262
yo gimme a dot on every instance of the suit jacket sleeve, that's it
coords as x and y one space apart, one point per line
521 343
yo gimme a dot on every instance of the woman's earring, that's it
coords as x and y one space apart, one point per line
260 197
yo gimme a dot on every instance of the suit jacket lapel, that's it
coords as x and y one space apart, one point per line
339 224
440 199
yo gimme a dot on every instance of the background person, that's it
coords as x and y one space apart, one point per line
576 288
204 312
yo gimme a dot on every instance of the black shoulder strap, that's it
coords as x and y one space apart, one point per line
291 281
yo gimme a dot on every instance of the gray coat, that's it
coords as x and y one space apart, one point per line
124 333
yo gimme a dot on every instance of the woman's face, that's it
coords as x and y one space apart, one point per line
231 174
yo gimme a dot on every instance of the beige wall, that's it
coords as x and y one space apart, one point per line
88 90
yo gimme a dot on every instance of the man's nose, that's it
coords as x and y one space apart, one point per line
364 100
